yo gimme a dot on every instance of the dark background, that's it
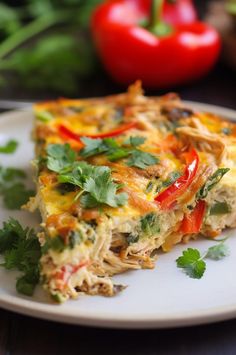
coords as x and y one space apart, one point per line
24 335
218 87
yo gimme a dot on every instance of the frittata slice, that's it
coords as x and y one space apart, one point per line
121 176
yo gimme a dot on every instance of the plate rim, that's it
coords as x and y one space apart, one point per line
25 306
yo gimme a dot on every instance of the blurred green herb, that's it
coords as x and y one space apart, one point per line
12 189
10 147
39 58
231 6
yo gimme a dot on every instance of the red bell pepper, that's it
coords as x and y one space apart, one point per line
192 222
160 53
167 197
66 132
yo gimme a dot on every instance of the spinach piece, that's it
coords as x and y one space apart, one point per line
220 208
211 182
150 224
132 238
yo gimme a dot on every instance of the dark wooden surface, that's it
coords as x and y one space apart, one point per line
20 335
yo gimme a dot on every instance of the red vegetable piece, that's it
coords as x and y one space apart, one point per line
167 197
66 132
192 222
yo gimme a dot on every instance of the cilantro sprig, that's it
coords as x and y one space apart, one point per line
96 185
21 251
12 189
10 147
193 263
115 151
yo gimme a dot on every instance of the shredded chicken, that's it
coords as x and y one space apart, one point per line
205 142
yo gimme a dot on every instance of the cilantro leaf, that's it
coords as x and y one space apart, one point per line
218 251
102 190
96 185
78 173
14 192
10 147
92 147
16 195
141 159
60 156
10 174
191 263
117 154
21 250
115 151
135 141
107 145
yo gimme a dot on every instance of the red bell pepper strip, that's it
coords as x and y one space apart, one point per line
192 222
66 132
167 197
161 55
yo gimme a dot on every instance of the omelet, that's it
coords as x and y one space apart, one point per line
119 178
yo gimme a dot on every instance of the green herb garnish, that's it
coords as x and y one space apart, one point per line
134 141
60 157
16 196
218 251
141 159
21 250
115 151
14 192
10 147
10 174
192 262
95 182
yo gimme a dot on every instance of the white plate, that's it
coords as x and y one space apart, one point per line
164 297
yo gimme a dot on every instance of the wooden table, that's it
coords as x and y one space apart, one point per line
21 335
